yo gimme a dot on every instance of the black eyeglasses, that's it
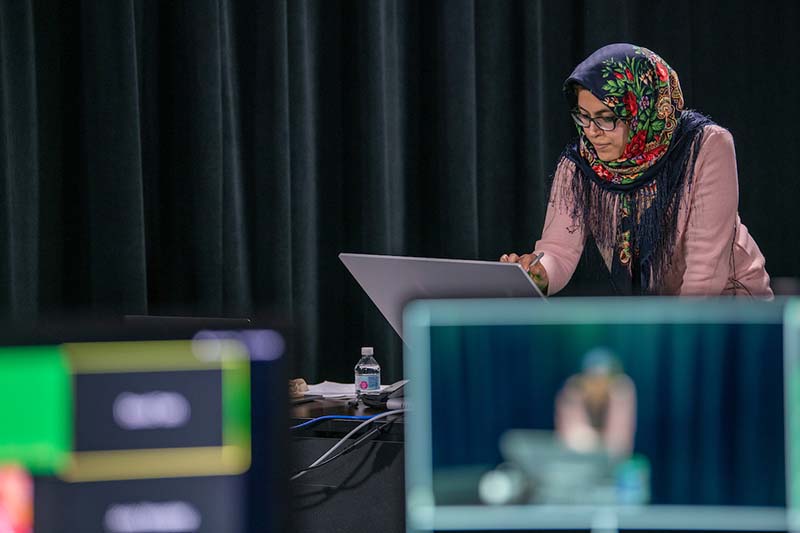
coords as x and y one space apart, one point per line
603 123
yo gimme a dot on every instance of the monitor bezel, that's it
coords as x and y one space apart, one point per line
422 512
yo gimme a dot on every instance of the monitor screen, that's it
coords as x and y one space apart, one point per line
599 414
114 429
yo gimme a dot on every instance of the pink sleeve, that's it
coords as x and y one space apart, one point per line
562 237
712 216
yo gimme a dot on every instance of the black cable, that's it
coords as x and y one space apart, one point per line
361 440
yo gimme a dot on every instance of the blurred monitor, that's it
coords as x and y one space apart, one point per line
599 414
143 427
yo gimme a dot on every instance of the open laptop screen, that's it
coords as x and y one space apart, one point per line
602 414
393 281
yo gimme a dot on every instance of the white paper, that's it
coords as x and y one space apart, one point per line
332 389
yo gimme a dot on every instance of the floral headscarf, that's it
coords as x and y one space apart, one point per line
631 205
642 90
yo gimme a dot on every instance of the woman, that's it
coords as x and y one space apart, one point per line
596 408
654 184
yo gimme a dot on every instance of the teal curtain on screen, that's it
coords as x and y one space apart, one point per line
709 399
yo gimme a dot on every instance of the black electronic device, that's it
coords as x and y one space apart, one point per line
147 426
381 398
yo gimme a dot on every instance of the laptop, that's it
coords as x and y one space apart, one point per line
393 281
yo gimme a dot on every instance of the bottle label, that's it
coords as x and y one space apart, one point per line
368 382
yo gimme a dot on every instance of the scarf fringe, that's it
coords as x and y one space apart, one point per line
653 205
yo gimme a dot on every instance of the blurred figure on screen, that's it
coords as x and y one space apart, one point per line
596 408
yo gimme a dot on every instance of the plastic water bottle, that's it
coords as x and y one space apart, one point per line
368 372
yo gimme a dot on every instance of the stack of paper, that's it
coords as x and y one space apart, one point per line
331 389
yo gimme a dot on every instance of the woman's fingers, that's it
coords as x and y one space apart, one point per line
511 258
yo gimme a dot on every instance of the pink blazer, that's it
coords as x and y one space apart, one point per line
714 252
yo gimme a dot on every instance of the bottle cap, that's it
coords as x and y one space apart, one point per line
366 350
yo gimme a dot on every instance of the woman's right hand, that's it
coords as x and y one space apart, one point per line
537 272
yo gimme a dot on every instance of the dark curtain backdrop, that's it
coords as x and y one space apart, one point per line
212 157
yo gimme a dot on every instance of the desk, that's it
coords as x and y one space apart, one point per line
361 491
